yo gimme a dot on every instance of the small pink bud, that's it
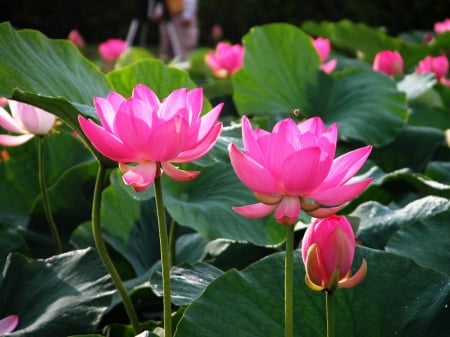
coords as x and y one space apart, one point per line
76 38
328 249
442 26
388 62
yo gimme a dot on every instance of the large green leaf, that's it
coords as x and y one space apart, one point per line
153 73
398 297
280 64
367 105
425 241
50 74
378 223
281 74
63 295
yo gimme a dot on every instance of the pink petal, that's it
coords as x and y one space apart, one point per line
140 177
177 174
194 99
339 194
329 66
357 278
10 140
165 142
250 140
304 170
346 166
254 211
201 148
252 174
9 123
146 95
105 142
288 211
8 324
31 118
173 104
106 112
324 212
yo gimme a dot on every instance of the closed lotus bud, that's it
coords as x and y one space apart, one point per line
328 249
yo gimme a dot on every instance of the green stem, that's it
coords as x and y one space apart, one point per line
289 284
45 198
330 313
165 257
172 241
103 252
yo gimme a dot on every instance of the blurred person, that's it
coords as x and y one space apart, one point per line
178 28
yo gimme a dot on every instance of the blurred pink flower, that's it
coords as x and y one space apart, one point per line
435 65
226 59
293 168
323 47
111 49
8 324
442 26
76 38
25 120
388 62
145 135
328 249
3 101
216 32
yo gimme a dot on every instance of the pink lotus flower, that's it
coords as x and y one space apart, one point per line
145 135
226 59
111 49
293 168
26 120
436 65
388 62
8 324
328 249
323 47
76 38
442 27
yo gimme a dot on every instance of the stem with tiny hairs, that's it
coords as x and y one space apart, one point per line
103 252
165 257
45 198
289 283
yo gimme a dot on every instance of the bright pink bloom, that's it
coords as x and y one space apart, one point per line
436 65
8 324
442 27
388 62
111 49
328 249
293 168
323 47
26 120
226 59
145 135
76 38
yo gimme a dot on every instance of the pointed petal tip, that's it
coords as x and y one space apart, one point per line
357 278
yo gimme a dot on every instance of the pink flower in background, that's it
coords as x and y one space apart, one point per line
226 59
293 168
442 27
435 65
323 47
25 120
8 324
111 49
389 62
3 101
76 38
216 32
328 249
145 135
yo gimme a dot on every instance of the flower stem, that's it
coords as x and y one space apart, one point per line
330 313
45 198
172 242
103 252
289 283
165 257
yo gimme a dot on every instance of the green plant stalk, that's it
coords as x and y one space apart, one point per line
103 252
45 198
165 257
172 242
329 303
289 284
